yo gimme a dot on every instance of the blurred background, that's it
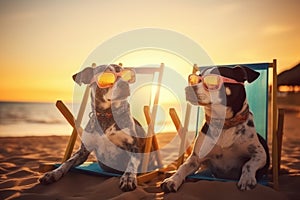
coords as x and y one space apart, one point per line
43 43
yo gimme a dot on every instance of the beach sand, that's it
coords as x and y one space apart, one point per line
20 158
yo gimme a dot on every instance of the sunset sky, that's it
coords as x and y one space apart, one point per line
43 43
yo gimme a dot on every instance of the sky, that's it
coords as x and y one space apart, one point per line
43 43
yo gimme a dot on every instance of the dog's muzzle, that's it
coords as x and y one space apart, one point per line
190 95
121 90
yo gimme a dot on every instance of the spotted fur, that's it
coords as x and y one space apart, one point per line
235 152
112 133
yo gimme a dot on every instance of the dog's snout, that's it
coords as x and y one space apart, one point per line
191 95
122 84
121 90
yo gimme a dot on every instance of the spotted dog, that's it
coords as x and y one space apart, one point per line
112 133
228 144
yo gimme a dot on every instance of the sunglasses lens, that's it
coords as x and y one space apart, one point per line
211 82
193 79
106 80
128 75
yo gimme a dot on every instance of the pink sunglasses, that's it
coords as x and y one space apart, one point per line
211 81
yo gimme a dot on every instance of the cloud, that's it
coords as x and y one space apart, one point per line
277 29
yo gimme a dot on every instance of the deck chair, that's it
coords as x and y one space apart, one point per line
260 112
151 74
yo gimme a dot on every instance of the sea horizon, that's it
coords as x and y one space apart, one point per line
36 118
21 118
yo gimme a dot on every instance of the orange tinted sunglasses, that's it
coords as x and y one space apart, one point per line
211 81
107 79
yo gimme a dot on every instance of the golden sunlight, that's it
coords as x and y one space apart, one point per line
146 57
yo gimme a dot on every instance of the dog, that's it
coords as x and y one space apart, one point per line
111 132
228 144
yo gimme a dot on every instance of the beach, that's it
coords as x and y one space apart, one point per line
21 157
171 54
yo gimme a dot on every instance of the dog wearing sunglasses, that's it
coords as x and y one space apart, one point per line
112 133
228 145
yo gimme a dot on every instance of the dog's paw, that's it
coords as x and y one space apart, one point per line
247 182
50 177
128 182
171 184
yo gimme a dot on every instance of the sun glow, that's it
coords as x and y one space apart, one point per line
174 81
175 67
148 56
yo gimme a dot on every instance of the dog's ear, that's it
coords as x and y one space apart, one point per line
85 76
248 74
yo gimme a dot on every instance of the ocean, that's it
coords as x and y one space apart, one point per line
44 119
32 119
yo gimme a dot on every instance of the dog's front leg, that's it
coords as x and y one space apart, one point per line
192 164
128 181
78 158
173 183
258 160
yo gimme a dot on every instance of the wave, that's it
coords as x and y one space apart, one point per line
31 121
37 113
44 121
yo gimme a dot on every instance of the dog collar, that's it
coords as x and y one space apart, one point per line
104 114
228 123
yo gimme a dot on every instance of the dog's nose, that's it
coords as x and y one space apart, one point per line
122 84
121 90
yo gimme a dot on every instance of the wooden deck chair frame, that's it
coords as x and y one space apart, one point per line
151 142
277 117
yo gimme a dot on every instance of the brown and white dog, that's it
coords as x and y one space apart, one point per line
112 133
228 144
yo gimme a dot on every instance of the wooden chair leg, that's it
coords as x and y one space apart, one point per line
178 126
274 128
154 141
70 118
280 134
45 167
179 129
77 122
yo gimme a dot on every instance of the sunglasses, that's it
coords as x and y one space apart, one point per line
211 81
107 79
